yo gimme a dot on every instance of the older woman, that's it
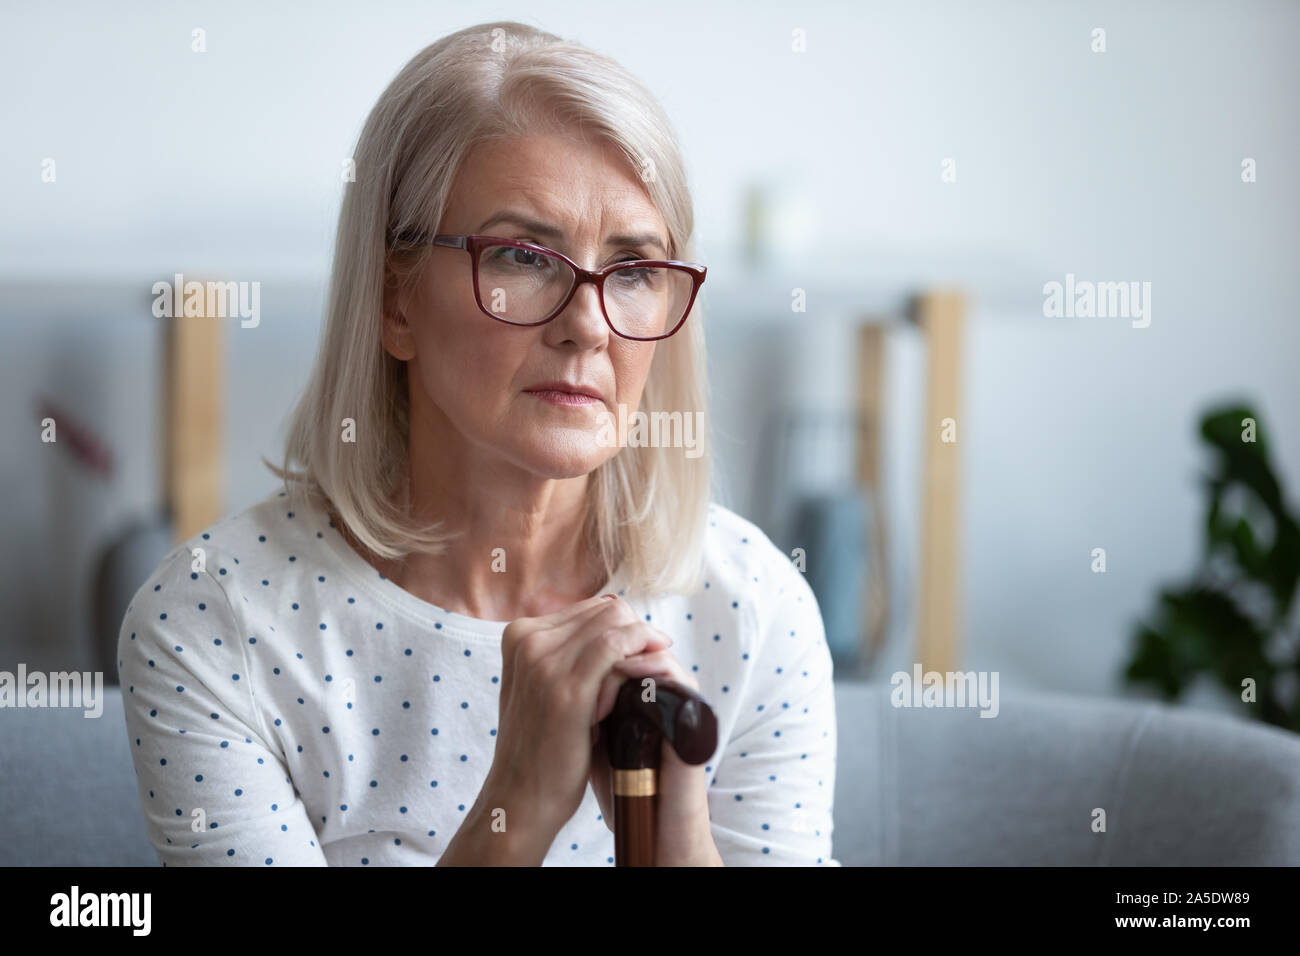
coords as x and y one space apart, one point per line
403 656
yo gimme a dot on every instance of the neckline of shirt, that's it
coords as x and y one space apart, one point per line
389 594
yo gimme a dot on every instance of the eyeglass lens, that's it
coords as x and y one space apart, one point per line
524 286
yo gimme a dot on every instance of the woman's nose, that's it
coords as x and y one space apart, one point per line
582 321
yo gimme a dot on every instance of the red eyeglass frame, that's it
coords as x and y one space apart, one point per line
474 244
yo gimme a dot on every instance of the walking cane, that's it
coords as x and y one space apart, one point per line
633 734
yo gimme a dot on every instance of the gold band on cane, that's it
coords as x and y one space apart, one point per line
634 783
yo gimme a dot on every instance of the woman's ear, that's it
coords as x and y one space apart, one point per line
398 337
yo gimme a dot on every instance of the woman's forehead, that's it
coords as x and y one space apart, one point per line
534 184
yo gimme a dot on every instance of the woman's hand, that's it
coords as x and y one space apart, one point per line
558 681
682 834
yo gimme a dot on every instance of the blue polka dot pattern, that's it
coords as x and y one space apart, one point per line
327 734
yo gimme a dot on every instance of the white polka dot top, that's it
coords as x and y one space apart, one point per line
286 704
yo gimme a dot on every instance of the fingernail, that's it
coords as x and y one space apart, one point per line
610 596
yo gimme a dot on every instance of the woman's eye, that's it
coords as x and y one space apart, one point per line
518 257
636 277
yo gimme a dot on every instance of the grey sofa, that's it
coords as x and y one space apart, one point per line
913 786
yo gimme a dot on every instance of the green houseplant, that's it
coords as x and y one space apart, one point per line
1232 621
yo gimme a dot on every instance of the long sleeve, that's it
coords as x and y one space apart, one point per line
214 788
771 797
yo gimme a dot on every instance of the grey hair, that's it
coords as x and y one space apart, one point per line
646 508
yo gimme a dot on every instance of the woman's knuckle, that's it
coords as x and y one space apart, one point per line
622 611
516 630
617 639
515 642
531 649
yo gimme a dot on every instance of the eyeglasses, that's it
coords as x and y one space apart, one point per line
522 283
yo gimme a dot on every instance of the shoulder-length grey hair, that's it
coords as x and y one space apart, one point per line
646 508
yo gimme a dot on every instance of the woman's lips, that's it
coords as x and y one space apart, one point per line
563 398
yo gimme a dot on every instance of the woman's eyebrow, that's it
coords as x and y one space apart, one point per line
551 233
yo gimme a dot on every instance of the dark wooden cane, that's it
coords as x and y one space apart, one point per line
645 715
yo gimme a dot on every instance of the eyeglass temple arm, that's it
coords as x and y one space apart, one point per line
455 242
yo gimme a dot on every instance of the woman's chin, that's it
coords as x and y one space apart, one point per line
567 471
556 462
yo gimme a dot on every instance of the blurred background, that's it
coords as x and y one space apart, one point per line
912 174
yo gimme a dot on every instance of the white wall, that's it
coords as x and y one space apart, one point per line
1078 433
